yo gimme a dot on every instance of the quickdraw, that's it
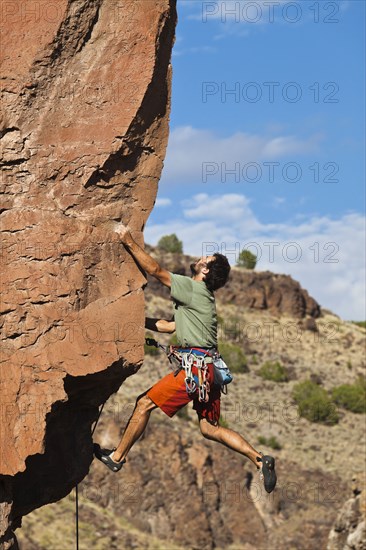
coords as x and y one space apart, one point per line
188 360
204 386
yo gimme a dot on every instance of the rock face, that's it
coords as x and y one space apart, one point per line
349 530
86 99
277 293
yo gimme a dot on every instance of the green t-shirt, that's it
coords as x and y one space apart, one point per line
195 312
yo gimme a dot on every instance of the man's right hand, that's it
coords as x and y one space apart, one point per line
124 232
144 260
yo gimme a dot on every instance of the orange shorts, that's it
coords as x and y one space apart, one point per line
170 395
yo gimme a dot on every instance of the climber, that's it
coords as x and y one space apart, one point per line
195 322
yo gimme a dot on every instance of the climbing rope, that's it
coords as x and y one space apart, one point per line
77 489
77 516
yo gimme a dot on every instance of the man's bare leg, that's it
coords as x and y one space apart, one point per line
230 439
135 427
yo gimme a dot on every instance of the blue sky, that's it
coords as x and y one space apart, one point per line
266 147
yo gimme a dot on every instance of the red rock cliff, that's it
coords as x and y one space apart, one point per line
86 97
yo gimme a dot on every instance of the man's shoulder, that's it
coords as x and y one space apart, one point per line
198 287
201 290
180 278
179 275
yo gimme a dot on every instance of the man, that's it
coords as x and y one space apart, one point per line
196 324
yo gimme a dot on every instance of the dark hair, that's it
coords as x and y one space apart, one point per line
218 274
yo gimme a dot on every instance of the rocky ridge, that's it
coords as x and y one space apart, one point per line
275 293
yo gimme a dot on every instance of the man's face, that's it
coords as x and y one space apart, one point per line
201 264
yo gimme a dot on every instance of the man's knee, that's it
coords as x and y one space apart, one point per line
145 404
208 430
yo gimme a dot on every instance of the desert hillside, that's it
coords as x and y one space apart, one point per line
178 490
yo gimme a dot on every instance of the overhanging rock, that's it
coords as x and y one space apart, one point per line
86 100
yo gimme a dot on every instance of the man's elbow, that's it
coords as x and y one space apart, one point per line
162 275
154 271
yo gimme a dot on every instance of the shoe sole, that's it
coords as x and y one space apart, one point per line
106 460
269 473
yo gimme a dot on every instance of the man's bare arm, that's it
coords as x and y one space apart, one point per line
144 260
160 325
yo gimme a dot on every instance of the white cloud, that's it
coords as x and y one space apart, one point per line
240 17
194 154
329 253
163 201
217 207
194 50
277 201
286 145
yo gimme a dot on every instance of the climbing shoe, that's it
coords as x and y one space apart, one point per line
104 455
267 472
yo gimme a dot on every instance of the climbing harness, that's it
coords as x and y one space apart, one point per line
200 358
182 358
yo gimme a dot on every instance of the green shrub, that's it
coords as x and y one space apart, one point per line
247 259
173 340
220 320
150 350
273 371
184 414
361 324
230 328
222 422
234 357
314 403
270 442
171 243
351 396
